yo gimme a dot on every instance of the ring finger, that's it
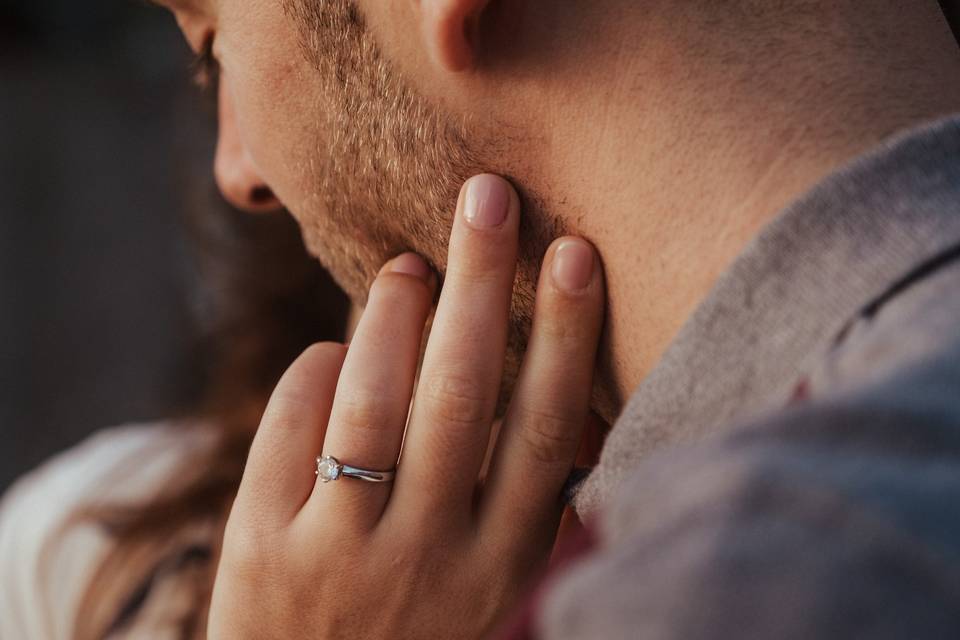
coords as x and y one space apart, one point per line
376 383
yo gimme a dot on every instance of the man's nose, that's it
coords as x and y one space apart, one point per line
236 174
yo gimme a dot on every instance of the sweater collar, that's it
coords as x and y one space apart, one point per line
777 309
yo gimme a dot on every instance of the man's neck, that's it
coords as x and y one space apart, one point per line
691 145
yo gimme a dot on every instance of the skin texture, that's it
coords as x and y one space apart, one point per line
433 554
667 147
377 170
666 133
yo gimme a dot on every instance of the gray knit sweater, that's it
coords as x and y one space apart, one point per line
792 467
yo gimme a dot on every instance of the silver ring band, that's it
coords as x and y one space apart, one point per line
330 469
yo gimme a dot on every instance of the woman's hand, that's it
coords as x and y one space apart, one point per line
431 554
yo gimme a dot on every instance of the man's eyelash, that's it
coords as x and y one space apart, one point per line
205 67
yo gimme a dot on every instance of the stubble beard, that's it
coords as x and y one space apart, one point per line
384 168
391 167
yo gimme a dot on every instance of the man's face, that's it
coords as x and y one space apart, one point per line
365 165
311 109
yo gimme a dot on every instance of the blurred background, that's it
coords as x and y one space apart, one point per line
100 129
129 290
105 152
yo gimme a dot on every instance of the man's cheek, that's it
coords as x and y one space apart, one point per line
266 71
271 125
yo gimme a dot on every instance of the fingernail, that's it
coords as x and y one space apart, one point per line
412 265
573 265
486 201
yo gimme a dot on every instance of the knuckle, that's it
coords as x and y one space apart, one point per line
567 322
391 289
419 543
324 351
359 409
454 399
563 330
551 437
250 549
481 268
291 414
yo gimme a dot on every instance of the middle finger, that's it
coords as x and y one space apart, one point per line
459 384
373 394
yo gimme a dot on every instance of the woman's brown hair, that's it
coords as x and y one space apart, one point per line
260 301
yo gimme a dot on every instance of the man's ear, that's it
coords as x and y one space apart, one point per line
450 28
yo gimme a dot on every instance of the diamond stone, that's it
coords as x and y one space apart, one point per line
328 468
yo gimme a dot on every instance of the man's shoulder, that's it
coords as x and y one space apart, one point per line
793 466
833 517
47 555
913 327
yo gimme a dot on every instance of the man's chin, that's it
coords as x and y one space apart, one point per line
352 266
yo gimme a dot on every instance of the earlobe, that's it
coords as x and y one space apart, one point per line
449 27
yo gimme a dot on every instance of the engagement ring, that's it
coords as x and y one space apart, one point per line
330 469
